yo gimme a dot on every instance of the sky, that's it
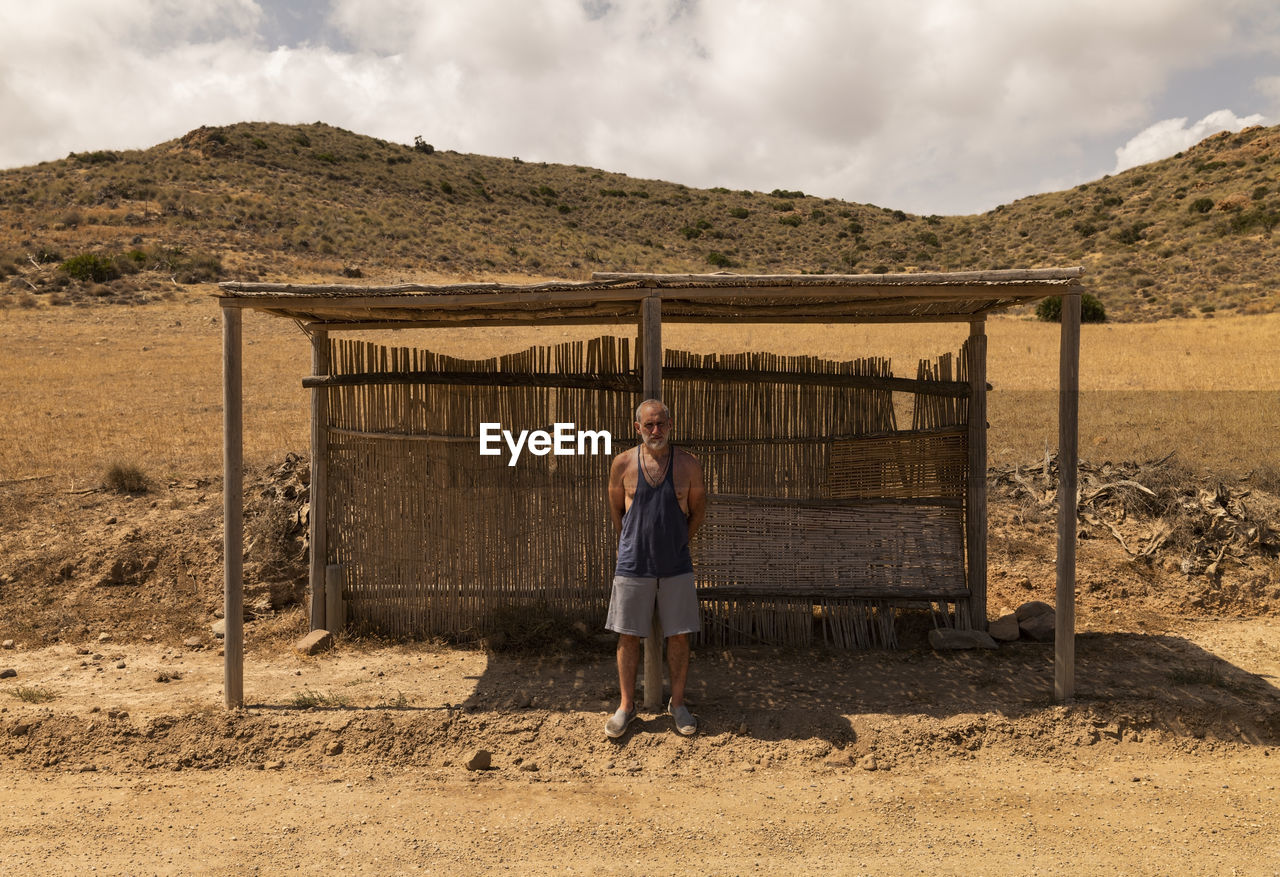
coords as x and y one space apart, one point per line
928 106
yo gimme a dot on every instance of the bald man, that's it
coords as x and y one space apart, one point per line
657 501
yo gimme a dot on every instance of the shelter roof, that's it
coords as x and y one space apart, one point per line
614 297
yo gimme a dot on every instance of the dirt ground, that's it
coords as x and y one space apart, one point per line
117 757
907 761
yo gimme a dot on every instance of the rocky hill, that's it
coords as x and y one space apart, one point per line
1185 237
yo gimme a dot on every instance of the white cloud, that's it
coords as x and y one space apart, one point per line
1170 136
926 105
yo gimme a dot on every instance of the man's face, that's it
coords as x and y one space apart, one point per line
654 428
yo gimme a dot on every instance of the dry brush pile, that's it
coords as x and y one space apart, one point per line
1217 542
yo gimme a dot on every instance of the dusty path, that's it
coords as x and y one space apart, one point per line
874 762
1130 810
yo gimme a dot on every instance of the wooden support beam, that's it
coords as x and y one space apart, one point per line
232 510
1064 655
976 489
335 611
319 481
651 359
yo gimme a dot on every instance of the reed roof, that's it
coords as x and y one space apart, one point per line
614 297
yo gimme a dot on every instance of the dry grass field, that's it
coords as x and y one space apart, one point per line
86 388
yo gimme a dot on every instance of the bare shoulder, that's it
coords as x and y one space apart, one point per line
687 463
624 461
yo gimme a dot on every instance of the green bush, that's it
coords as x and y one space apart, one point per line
1091 310
90 267
791 219
786 193
720 260
739 212
420 145
1200 205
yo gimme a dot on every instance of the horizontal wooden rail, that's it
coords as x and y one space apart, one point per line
631 382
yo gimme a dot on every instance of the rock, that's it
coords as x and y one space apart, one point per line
868 762
103 637
1032 609
946 639
334 748
7 644
20 729
193 642
1004 629
530 766
482 760
8 674
314 643
273 765
219 628
1041 628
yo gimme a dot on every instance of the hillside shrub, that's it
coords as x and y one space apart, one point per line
1200 205
786 193
90 267
720 260
791 219
420 145
1091 310
739 212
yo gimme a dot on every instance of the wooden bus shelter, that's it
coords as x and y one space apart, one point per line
821 508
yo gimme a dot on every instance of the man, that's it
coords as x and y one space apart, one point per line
657 501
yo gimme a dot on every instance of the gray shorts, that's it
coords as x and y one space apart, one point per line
631 605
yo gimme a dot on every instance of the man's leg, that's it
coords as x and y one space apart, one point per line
677 666
628 663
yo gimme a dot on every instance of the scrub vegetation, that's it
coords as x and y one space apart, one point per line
1189 236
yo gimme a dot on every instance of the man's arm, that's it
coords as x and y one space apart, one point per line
697 493
617 492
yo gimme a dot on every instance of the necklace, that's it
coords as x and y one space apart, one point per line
662 472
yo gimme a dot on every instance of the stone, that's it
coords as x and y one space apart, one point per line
868 762
193 642
314 643
103 637
1041 628
334 748
530 766
1004 629
8 673
219 628
482 760
947 639
7 644
273 765
1031 609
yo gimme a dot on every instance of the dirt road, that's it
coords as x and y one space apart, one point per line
876 762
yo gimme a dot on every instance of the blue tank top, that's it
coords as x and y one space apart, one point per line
655 531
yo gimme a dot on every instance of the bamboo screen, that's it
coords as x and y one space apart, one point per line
822 514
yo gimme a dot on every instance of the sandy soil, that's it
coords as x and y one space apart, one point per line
874 762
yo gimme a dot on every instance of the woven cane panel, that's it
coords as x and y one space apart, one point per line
821 510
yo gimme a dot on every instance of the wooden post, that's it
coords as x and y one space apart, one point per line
976 489
651 359
232 510
1064 655
334 611
319 480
